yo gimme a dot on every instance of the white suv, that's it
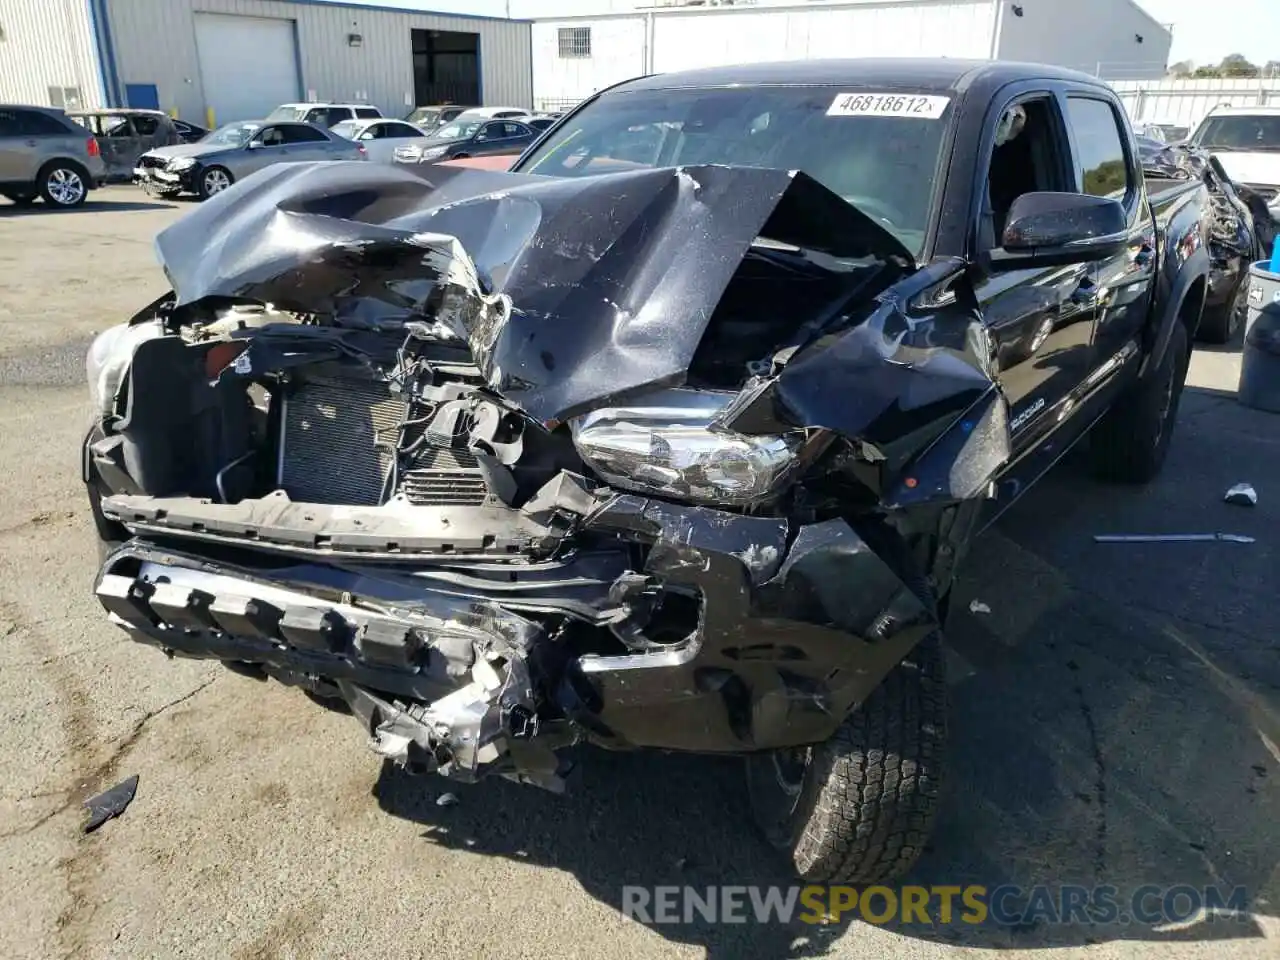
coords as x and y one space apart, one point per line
325 114
1246 140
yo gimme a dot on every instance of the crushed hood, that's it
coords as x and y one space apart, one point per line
576 290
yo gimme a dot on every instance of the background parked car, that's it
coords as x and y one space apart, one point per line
324 114
429 119
190 132
379 137
543 121
125 135
469 138
233 152
493 113
45 154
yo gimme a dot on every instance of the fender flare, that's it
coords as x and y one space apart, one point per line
1195 268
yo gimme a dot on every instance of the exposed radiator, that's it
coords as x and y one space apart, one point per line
337 442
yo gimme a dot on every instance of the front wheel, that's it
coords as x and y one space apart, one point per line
213 181
1223 323
859 808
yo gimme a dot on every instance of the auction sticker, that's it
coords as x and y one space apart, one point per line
888 105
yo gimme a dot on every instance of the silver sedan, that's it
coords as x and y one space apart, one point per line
234 151
379 137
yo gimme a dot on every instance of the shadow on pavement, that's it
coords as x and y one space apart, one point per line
1115 721
39 209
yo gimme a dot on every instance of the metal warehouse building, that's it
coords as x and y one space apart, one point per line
574 56
240 58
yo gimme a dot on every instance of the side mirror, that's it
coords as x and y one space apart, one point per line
1057 229
255 145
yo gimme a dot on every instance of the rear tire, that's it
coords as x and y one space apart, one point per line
1130 442
63 185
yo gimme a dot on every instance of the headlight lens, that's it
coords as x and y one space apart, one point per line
181 163
109 357
663 445
432 153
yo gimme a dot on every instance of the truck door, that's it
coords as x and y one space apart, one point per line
1040 320
1105 168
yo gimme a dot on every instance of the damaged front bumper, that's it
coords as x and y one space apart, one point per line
740 633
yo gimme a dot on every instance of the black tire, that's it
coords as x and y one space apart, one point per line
868 797
21 199
62 184
1223 323
208 178
1130 442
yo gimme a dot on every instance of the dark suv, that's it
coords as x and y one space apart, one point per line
45 154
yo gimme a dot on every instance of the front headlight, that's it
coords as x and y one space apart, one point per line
178 164
664 445
432 153
108 360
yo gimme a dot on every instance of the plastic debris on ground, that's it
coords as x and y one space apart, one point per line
110 803
446 800
1242 494
1171 538
977 606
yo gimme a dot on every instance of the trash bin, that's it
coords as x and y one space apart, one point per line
1260 365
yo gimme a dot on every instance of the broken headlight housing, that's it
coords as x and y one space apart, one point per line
664 444
178 164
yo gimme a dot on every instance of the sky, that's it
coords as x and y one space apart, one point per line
1202 30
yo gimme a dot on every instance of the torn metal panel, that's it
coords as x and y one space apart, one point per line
570 292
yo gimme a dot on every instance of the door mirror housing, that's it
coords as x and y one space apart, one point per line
1059 229
254 145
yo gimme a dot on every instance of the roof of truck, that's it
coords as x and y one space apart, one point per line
939 73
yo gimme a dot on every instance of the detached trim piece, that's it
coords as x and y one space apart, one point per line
391 532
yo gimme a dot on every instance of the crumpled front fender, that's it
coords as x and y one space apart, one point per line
794 632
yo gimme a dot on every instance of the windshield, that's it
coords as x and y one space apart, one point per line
457 131
1260 132
424 115
880 152
349 128
287 113
233 134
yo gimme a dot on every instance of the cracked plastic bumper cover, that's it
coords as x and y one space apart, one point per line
795 628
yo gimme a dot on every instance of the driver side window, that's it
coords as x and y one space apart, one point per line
271 137
1026 158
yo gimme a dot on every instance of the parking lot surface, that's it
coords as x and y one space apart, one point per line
1116 720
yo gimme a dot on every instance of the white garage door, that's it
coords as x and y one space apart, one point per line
248 65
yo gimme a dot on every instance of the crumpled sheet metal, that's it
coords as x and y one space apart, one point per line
594 286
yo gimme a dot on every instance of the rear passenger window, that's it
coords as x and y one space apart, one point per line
1097 133
296 133
146 126
34 124
367 113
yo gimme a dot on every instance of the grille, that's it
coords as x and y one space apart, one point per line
329 450
442 477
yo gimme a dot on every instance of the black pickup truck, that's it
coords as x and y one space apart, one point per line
671 438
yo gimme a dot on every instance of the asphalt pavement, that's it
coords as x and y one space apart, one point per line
1115 720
